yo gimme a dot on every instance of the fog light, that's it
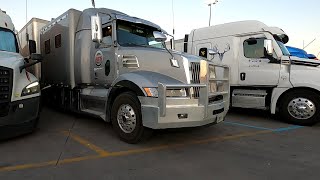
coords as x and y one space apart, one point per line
182 116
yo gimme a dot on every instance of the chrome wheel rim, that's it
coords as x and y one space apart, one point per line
126 118
301 108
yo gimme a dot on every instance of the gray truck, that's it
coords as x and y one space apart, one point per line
113 66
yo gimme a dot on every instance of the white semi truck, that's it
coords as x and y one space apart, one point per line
19 89
263 74
107 64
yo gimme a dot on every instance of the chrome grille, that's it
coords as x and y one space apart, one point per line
195 78
6 76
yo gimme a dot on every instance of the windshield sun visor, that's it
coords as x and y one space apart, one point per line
139 21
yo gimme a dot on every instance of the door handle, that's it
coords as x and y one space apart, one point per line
242 76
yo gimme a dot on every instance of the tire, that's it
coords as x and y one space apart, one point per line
300 107
128 126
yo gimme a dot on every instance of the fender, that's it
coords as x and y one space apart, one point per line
278 92
136 81
145 79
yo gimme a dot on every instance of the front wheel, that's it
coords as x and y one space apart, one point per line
127 119
301 107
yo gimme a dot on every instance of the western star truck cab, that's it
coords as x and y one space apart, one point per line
19 90
108 64
263 74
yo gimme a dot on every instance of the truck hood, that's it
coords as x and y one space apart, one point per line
304 62
10 60
159 61
305 73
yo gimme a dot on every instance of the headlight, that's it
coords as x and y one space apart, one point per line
32 88
176 93
153 92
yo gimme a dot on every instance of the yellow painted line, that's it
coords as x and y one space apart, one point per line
86 143
46 164
128 152
193 142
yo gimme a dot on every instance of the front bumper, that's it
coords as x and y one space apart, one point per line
164 112
20 118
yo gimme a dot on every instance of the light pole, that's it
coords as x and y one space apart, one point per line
210 3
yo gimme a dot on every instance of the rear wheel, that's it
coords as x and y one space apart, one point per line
127 119
301 107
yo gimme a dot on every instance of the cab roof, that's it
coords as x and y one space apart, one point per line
234 29
5 21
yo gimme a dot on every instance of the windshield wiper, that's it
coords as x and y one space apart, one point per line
133 44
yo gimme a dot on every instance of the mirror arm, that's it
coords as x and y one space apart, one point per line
28 65
169 51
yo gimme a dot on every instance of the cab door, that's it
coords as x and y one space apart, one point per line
104 68
256 68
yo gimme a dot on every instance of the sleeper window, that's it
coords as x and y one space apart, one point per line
47 46
58 41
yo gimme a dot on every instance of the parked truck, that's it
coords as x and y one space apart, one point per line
263 74
19 89
294 51
31 31
110 65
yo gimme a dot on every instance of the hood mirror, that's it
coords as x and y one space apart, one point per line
159 36
212 52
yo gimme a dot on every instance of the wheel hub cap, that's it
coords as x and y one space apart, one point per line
301 108
126 118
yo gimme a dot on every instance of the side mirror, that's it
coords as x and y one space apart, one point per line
96 28
212 52
32 47
36 57
159 36
268 46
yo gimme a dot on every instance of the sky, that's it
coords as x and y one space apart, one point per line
298 19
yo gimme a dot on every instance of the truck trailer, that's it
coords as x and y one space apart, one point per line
19 89
110 65
263 74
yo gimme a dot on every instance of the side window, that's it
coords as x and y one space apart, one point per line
57 41
107 35
254 48
47 48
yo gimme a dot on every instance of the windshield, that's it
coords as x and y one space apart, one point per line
132 34
7 41
283 48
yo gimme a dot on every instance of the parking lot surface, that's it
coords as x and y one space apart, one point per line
248 145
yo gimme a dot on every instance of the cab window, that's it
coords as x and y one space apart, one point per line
107 35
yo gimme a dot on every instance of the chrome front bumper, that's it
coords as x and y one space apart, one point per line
164 112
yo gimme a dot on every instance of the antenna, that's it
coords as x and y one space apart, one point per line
173 19
93 4
173 30
27 34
